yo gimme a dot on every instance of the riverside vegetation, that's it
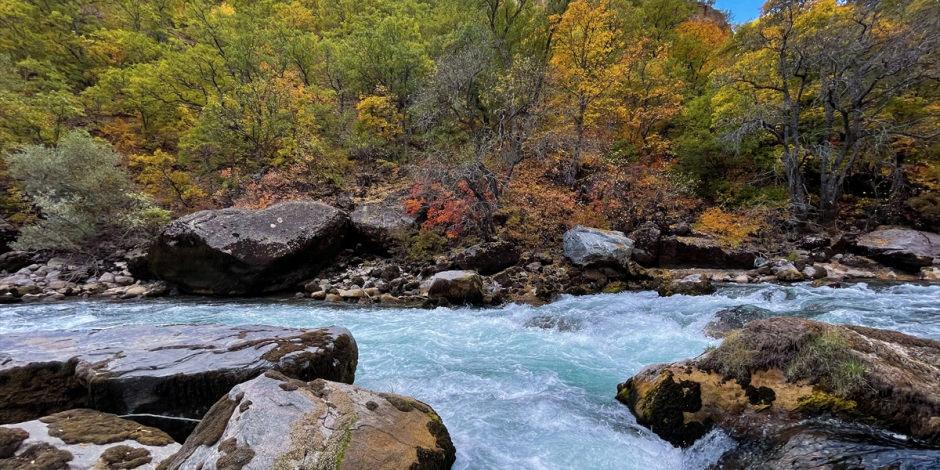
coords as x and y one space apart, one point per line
438 153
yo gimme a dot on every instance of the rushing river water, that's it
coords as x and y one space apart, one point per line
518 396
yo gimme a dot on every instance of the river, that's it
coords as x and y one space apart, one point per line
514 395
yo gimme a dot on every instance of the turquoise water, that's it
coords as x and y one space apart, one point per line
515 396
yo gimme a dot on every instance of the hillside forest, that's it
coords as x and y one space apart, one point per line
485 118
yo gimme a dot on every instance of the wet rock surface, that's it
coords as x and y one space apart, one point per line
83 439
831 444
734 318
276 422
774 373
486 258
168 375
238 251
900 247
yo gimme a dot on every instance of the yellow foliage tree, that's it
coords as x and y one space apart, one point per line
588 59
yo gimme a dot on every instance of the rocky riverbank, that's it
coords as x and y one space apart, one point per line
310 249
204 396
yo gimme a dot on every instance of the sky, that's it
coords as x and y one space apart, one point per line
742 11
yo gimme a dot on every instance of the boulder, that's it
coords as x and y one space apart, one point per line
83 438
774 373
900 247
276 422
13 261
785 271
585 246
486 258
169 375
693 284
646 243
734 318
703 252
382 225
239 251
456 287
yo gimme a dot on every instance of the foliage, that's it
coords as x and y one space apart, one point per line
85 198
731 229
504 115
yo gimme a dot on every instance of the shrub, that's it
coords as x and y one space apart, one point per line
84 197
731 229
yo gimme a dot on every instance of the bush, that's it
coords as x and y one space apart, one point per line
85 198
730 228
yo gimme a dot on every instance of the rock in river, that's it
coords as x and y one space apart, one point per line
239 251
169 376
776 373
81 439
276 422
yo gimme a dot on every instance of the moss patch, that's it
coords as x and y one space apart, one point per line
10 440
88 426
822 403
235 457
38 457
125 457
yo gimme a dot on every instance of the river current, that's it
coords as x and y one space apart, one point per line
513 393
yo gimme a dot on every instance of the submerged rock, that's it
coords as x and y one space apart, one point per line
276 422
238 251
734 318
169 375
901 248
83 438
778 371
585 246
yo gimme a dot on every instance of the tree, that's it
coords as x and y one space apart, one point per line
86 200
818 76
587 61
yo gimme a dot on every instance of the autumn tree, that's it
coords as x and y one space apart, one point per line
588 59
819 76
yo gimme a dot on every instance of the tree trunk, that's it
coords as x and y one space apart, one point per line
571 173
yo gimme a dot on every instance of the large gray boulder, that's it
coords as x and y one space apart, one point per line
82 438
239 251
275 422
169 375
382 225
585 246
901 247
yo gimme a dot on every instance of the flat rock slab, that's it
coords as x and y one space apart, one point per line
167 371
81 439
276 422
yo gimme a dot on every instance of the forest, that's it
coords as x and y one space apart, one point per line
508 118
